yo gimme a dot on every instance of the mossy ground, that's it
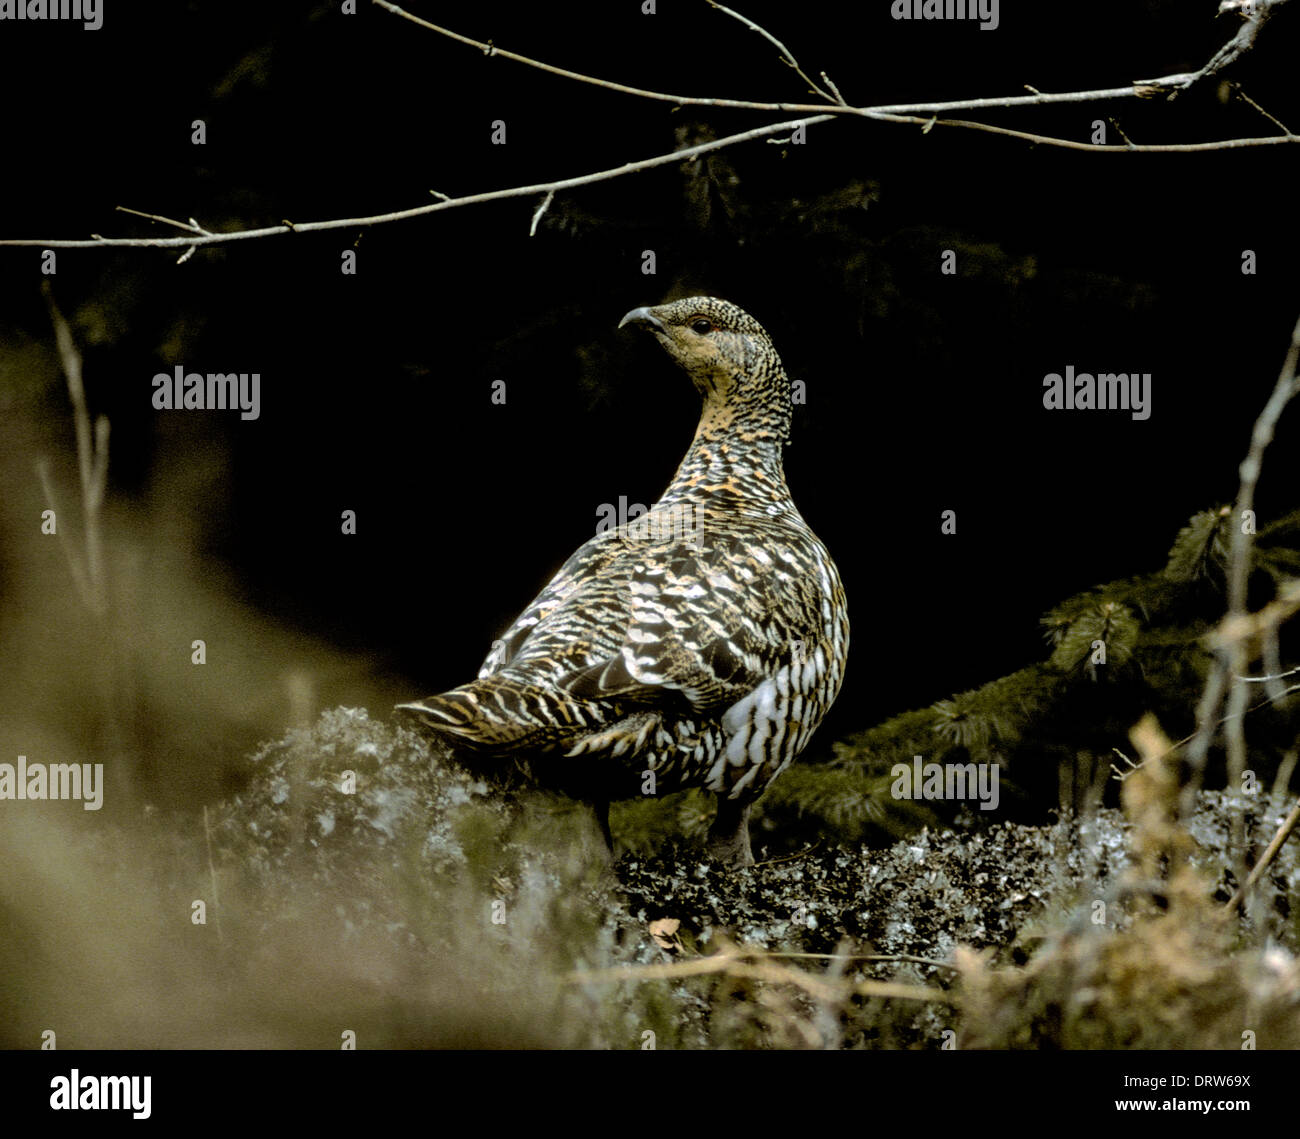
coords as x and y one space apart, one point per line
411 904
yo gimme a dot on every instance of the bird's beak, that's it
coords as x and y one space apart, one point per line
644 316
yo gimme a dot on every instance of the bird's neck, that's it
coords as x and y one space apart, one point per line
734 460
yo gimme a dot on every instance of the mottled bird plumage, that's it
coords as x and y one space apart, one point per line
705 640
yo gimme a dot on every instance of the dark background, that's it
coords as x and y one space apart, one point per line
924 392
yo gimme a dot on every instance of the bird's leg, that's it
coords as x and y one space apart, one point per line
729 834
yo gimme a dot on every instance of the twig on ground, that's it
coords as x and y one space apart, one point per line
738 962
1283 832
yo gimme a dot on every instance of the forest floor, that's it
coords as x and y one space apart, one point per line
363 883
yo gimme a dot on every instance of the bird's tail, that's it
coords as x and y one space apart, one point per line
495 714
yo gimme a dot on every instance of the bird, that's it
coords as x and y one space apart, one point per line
698 645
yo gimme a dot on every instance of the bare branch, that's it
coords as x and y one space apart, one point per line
1230 646
1251 102
1255 13
617 172
786 54
1035 99
1091 147
565 73
669 159
906 113
1143 88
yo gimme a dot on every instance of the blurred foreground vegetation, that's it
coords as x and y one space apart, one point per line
362 883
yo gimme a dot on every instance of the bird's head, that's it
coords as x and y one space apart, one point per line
725 351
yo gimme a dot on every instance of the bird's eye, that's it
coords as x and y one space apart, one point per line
702 324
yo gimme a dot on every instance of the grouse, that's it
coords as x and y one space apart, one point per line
698 645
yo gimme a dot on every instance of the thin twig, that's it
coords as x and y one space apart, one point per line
1229 659
843 102
608 84
92 457
618 172
1248 100
65 539
191 226
1091 147
1271 676
1283 832
212 874
878 957
1233 635
537 216
1034 99
1177 745
1119 130
786 54
1261 436
798 854
894 113
637 167
733 966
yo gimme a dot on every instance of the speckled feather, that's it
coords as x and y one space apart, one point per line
704 641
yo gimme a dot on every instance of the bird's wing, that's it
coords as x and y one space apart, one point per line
584 568
711 622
